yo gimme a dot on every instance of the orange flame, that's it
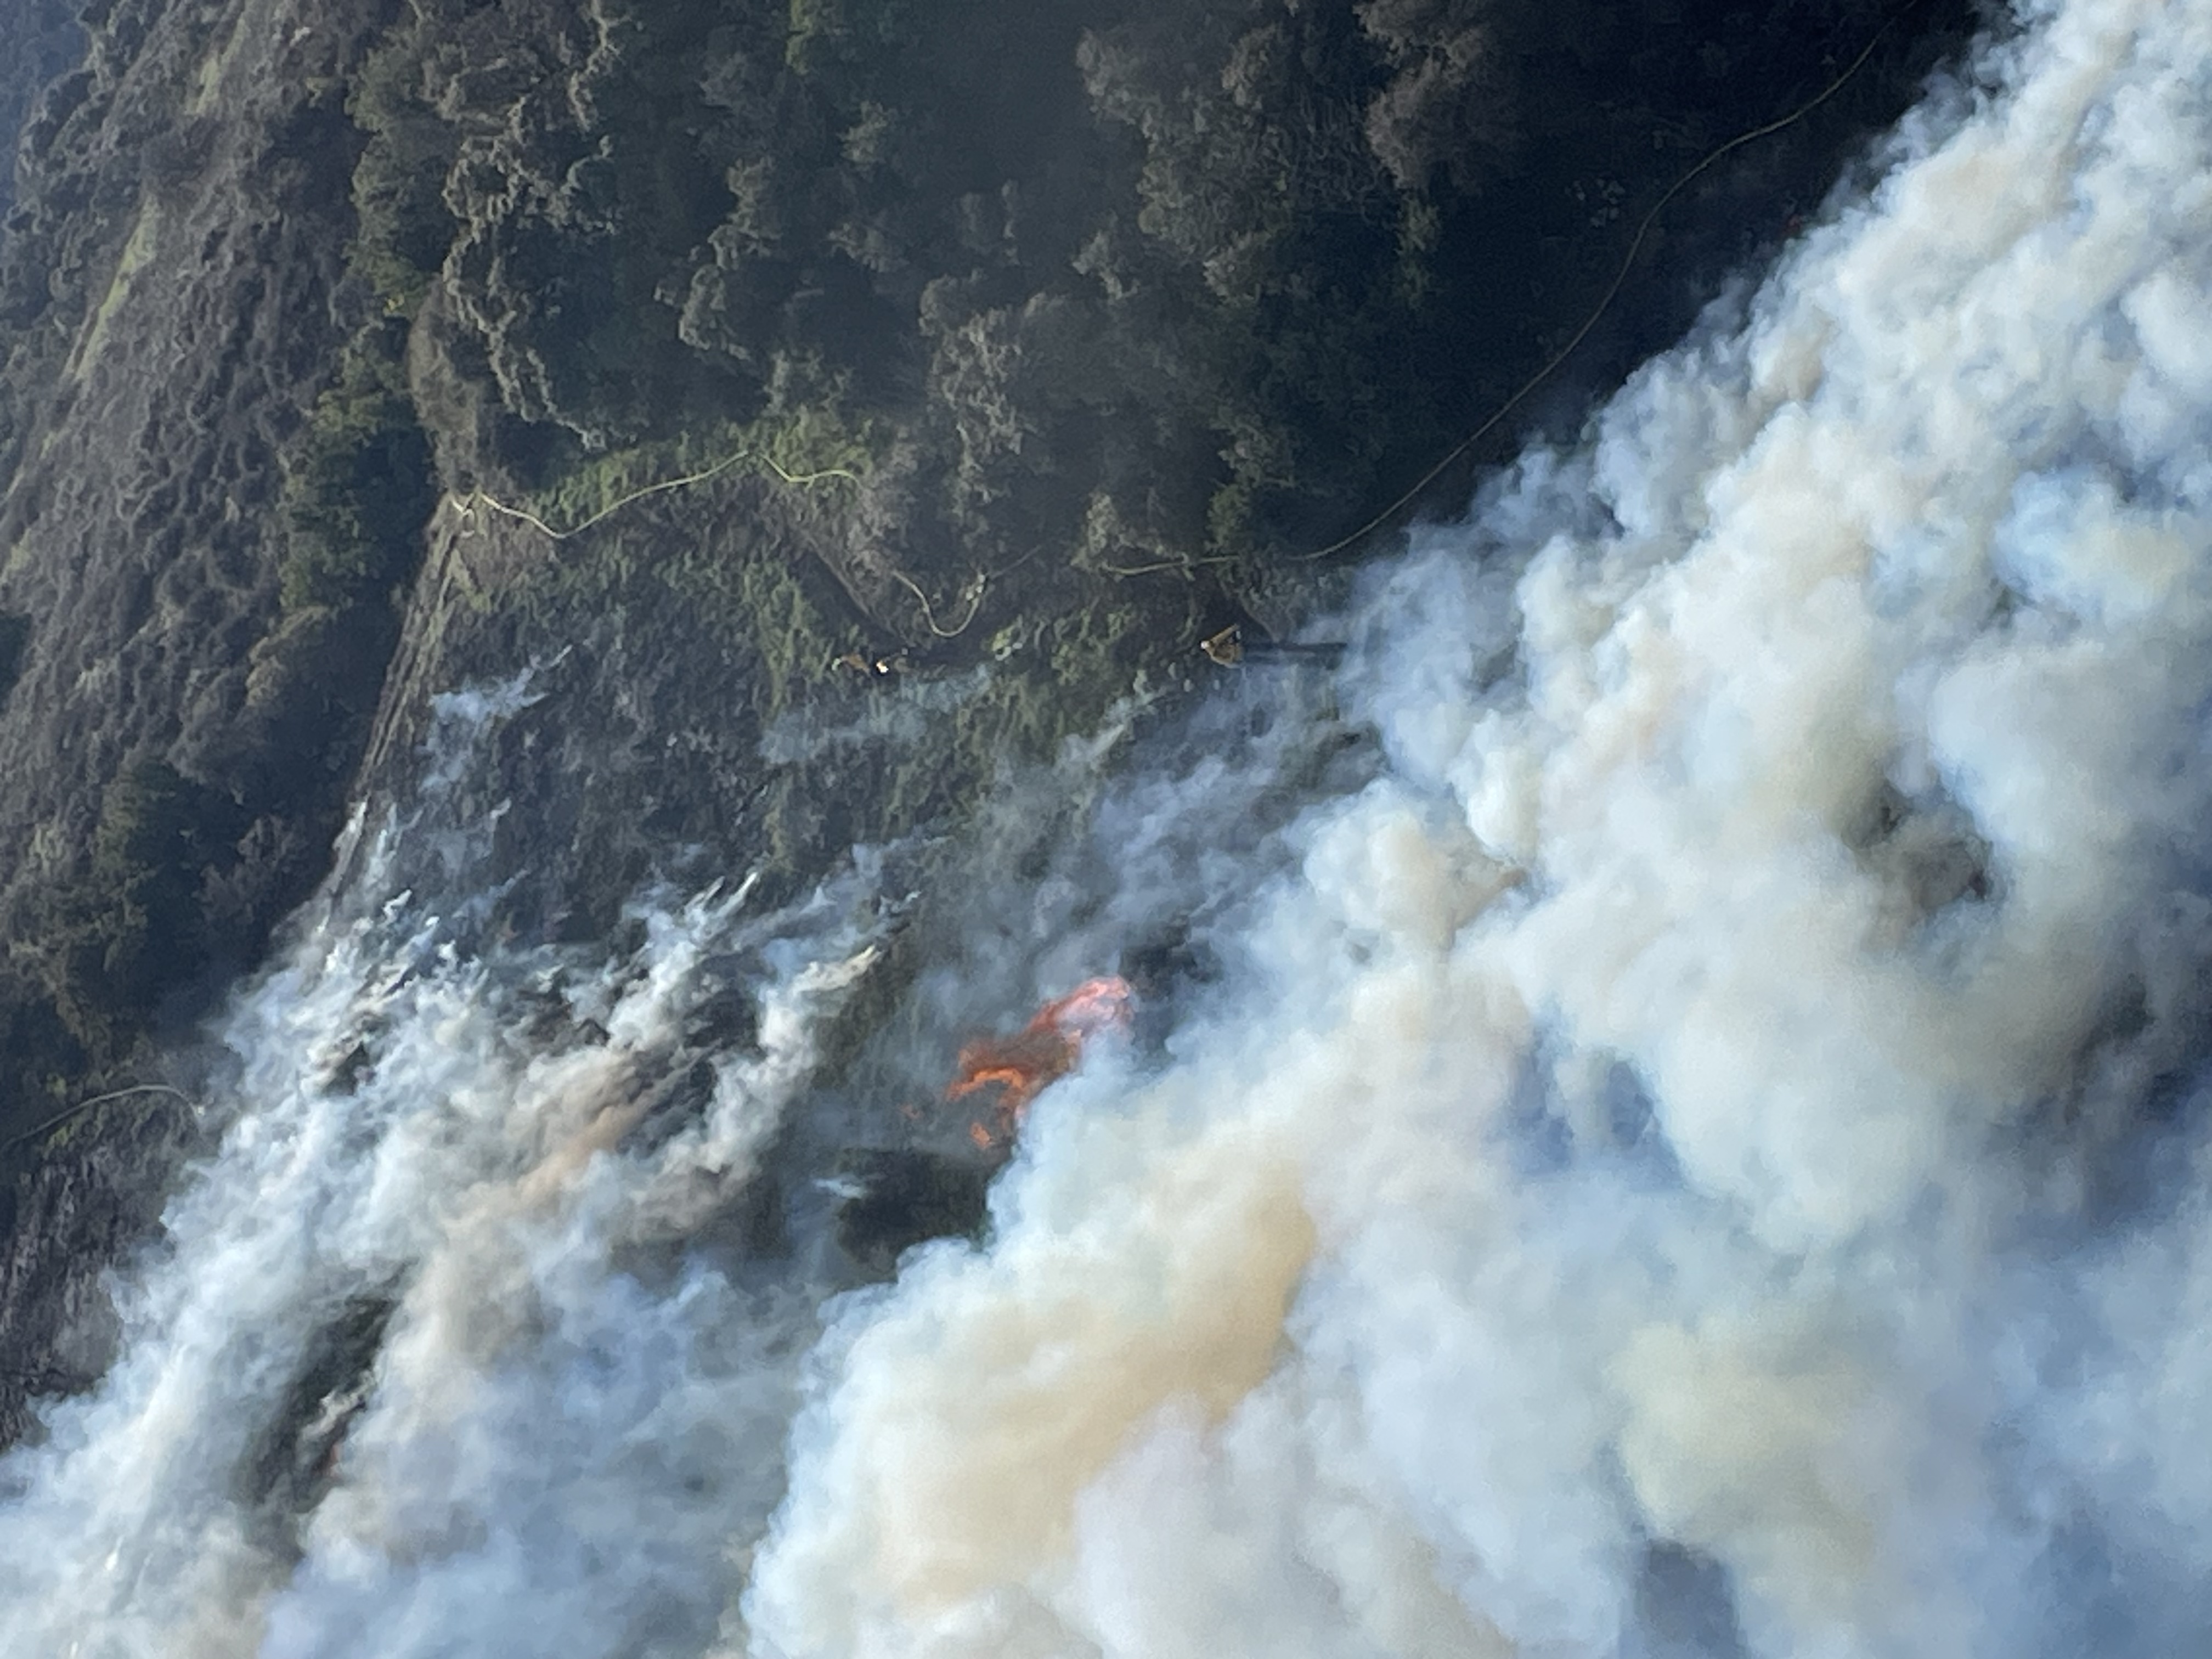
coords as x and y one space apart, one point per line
1040 1053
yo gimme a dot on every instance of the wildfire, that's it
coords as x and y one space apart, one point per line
1040 1053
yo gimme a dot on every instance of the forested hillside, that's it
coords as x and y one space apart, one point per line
1087 287
1024 340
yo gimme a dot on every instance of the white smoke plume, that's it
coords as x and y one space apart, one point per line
1704 1158
408 1378
1690 1141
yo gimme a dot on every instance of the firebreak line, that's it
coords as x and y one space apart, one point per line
39 1131
485 498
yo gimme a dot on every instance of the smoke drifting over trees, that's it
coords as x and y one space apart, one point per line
1665 1109
1641 1093
1084 320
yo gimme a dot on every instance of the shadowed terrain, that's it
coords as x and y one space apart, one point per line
1007 375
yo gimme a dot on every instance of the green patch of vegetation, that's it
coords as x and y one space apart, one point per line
802 445
358 488
816 443
795 638
1227 279
131 928
403 227
590 488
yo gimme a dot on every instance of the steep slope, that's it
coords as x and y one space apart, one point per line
176 296
986 383
38 41
174 300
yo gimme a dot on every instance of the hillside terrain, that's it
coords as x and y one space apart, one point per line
997 352
40 41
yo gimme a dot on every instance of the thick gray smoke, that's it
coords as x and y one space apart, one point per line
1700 1152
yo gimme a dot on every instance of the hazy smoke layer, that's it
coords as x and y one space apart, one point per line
1700 1153
421 1374
1706 1157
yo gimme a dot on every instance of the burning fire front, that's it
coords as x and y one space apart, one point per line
1020 1067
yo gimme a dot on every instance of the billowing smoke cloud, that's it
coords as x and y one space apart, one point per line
1686 1138
1703 1158
420 1372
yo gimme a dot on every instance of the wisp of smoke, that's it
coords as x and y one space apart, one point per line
400 1382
